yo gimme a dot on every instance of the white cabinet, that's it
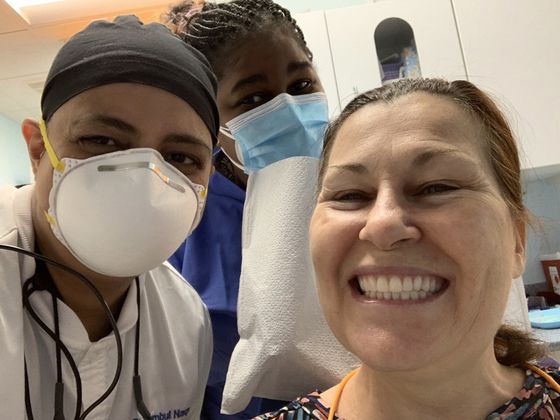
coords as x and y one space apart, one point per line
314 29
512 49
351 32
508 48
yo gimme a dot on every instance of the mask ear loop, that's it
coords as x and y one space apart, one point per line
55 162
226 132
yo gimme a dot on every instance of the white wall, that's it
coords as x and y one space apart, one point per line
14 162
542 198
298 6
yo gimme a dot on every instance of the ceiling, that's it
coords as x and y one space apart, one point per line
30 39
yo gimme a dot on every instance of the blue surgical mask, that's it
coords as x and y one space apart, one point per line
284 127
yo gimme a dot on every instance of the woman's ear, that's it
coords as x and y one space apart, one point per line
35 145
520 241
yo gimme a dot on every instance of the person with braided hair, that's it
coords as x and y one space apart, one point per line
258 52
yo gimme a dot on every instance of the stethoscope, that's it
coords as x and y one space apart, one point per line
27 290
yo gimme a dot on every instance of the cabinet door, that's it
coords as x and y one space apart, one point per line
511 50
352 29
314 29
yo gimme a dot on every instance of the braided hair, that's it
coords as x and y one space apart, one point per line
217 29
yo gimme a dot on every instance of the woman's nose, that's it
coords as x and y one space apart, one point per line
389 224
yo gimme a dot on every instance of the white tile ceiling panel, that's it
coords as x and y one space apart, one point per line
17 97
27 51
10 20
66 10
24 53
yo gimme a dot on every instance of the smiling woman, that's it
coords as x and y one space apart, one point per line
418 232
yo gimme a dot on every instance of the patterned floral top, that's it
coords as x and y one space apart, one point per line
536 400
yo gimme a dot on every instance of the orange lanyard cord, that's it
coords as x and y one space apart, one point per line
338 394
553 384
340 387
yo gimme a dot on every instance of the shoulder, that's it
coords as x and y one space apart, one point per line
15 213
177 314
222 187
16 226
166 288
543 387
548 374
309 407
538 395
554 373
7 217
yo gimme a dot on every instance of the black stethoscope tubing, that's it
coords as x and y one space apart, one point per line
60 347
137 383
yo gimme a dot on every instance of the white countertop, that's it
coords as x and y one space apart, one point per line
550 337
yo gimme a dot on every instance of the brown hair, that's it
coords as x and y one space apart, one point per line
511 346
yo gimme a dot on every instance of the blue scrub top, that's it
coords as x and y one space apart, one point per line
210 260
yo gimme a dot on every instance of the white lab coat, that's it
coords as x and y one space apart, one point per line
175 347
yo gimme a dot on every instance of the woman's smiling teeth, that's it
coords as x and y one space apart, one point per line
394 287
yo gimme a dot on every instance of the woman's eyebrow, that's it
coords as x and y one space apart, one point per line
298 65
249 80
349 167
428 155
421 159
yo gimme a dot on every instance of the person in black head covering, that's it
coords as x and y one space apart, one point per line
122 155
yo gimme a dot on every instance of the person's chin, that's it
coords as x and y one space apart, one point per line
396 355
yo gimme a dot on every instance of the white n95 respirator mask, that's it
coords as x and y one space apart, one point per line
122 213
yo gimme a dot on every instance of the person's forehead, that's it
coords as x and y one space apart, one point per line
406 128
257 53
414 112
140 107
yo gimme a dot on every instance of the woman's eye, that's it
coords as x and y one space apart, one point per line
350 197
253 99
180 158
437 189
299 86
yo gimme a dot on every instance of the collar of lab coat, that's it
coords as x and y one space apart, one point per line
72 331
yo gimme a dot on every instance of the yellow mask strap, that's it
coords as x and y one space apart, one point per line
49 218
55 162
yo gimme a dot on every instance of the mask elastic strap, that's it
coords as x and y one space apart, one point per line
55 162
233 161
226 132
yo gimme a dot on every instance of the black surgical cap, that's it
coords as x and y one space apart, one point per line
127 51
